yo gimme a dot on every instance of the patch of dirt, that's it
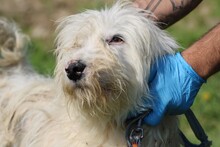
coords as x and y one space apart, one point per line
37 17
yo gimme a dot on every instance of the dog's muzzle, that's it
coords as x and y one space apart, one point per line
75 70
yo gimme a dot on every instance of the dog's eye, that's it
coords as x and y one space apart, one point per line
117 39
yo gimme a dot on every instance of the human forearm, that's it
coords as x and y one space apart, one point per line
204 55
167 12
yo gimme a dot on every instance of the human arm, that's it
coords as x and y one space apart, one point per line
204 55
168 12
176 79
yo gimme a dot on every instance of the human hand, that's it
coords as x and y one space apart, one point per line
173 86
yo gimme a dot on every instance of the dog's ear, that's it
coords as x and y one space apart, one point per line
158 41
161 42
145 32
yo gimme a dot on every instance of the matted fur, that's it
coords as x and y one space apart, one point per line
42 112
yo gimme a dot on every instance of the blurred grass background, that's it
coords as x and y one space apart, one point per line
36 18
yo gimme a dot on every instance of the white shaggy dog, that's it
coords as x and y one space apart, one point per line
103 63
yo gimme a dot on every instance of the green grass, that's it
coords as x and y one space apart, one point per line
41 58
187 31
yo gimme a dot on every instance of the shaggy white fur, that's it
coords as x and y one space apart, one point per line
115 48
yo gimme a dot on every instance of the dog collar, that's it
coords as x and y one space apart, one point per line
134 130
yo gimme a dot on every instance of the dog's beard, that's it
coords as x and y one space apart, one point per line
102 94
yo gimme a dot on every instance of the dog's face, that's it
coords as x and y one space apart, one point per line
104 59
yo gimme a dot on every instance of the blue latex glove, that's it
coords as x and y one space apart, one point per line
173 84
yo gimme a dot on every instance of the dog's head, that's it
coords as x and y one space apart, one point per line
104 59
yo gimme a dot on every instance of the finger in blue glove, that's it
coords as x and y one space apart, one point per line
173 86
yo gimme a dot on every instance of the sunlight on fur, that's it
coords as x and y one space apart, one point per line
103 63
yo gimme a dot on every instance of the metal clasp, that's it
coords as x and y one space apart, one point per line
136 135
134 132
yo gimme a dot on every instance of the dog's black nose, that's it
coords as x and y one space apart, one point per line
75 70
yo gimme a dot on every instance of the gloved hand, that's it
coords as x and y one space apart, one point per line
173 86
